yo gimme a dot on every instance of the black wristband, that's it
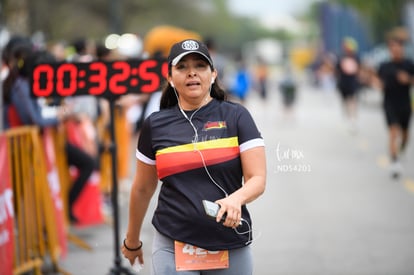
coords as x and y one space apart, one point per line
133 249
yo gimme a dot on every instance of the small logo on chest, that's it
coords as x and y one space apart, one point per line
211 125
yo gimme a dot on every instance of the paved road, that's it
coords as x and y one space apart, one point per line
330 206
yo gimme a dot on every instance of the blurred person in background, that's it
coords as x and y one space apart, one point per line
85 109
261 75
325 74
103 54
347 73
288 89
396 77
58 50
85 106
241 80
218 59
22 109
84 50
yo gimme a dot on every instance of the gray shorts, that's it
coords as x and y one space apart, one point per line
163 260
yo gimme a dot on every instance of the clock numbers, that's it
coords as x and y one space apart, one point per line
99 78
114 82
152 77
66 70
39 87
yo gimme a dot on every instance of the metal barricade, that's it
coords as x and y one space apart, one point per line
123 141
36 227
59 140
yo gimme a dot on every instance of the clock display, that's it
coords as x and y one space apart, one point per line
106 79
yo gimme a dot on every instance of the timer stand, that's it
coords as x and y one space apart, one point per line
107 80
118 268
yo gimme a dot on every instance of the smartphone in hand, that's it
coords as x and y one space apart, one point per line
211 209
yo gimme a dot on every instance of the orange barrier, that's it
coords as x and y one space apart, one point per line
61 163
40 180
59 140
36 214
105 158
123 140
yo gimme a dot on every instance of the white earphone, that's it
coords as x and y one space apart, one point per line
195 141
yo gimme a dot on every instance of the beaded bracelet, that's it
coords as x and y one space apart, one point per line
133 249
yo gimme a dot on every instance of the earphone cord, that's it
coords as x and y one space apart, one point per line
209 175
189 119
249 231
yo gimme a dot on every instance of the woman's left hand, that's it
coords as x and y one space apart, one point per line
254 174
231 207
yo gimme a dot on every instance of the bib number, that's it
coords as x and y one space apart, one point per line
190 257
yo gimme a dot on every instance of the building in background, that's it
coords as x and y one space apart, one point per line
336 22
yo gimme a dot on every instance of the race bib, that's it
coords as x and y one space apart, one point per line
190 257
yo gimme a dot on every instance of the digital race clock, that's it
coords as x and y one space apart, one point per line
106 79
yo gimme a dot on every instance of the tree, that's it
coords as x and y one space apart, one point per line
94 19
382 15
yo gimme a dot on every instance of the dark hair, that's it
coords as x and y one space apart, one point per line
18 56
169 99
21 59
80 45
395 40
102 52
398 35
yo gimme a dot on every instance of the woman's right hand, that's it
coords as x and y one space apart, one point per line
132 255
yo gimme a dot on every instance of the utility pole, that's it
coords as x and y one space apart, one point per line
115 24
117 269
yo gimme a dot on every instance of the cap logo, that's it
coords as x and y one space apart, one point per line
190 45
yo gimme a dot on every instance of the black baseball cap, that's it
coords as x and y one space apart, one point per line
181 49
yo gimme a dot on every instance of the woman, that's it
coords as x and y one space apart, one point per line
202 148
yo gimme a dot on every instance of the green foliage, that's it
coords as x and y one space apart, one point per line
381 14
